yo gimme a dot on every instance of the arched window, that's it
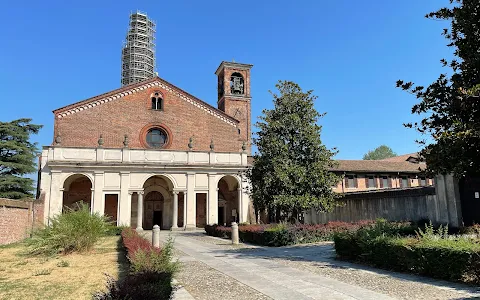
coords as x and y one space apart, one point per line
157 101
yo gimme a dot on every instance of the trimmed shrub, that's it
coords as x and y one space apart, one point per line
113 230
138 286
76 230
431 253
287 234
151 271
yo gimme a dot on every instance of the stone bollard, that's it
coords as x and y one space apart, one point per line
156 236
234 233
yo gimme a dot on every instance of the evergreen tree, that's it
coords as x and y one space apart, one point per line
17 158
451 104
291 169
381 152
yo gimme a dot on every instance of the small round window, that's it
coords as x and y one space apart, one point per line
157 137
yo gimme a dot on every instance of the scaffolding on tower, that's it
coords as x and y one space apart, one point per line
138 52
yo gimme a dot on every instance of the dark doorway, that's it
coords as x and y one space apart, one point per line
221 214
111 207
470 200
157 218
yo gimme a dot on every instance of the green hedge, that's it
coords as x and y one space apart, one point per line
289 234
451 258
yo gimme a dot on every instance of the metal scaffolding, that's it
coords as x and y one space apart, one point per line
138 53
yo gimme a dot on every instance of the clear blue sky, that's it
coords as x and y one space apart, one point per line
350 53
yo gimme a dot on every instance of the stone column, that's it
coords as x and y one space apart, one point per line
191 202
212 200
98 203
175 211
124 201
92 200
140 211
240 207
184 210
55 202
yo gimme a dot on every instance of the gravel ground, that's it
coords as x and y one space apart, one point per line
382 282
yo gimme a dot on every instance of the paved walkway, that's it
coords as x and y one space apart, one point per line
269 277
280 273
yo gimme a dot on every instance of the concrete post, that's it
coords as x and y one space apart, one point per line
156 236
140 211
235 233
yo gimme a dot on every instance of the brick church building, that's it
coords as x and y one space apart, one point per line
150 153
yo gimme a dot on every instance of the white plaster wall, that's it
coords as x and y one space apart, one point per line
111 180
201 181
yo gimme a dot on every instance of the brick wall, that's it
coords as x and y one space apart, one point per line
132 115
16 219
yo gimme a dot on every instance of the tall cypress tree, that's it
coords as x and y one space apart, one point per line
291 169
17 158
451 105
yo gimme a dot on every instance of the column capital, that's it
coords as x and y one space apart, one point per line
140 192
175 192
124 173
130 193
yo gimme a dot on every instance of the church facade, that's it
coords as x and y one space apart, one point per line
150 153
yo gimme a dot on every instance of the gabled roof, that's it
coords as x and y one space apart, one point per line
135 87
365 166
411 157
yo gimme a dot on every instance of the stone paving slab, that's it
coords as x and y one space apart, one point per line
268 277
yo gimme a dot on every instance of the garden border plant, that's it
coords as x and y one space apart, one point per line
283 234
432 252
151 271
75 230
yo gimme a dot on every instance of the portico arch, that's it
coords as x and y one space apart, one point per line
77 188
229 200
153 203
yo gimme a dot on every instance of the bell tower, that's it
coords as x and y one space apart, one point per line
234 96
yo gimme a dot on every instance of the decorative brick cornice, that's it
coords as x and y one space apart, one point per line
134 88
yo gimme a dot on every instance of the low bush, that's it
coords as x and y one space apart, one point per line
151 271
113 230
287 234
432 252
75 230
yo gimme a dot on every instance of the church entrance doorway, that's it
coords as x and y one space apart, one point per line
157 218
153 210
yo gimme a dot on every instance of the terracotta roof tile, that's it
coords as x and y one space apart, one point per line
378 166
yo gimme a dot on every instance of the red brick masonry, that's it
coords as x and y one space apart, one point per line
17 218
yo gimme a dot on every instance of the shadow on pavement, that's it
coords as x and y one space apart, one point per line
322 255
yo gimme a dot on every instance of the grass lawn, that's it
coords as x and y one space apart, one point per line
73 276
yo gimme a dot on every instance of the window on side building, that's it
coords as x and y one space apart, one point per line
350 182
422 181
404 181
385 182
371 182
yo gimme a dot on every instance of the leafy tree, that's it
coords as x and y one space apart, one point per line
450 106
381 152
291 170
17 158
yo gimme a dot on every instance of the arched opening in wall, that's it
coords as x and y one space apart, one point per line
228 204
77 188
237 84
157 203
